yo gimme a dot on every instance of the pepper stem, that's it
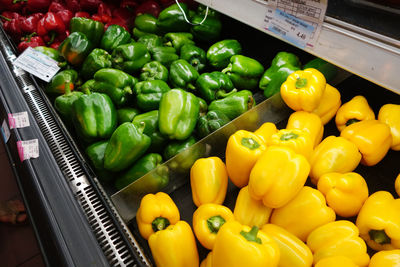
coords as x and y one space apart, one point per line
5 18
351 121
222 93
214 223
379 236
301 83
127 90
250 143
160 223
252 235
52 37
191 86
228 68
288 136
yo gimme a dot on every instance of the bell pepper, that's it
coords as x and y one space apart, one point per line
390 114
265 131
81 14
372 137
345 193
385 258
195 55
293 251
11 5
50 26
123 16
355 110
182 74
379 221
62 80
244 72
150 120
51 53
126 114
214 85
153 70
339 238
114 36
208 181
329 104
89 5
240 245
95 154
297 140
149 93
127 144
156 212
92 29
178 39
277 167
164 55
219 54
57 6
207 220
94 116
12 25
243 149
146 22
33 6
211 122
202 9
207 262
296 215
336 261
327 69
206 30
73 5
234 104
179 111
171 19
64 103
176 147
249 211
130 57
397 185
141 167
75 48
66 16
333 154
148 7
150 41
30 41
96 60
203 107
309 122
29 23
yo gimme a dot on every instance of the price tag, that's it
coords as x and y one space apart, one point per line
37 64
28 149
5 131
18 120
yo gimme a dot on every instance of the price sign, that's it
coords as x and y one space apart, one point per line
18 120
28 149
5 131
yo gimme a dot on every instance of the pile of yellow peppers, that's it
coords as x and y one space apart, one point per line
277 219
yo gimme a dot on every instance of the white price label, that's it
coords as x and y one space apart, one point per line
18 120
37 64
28 149
5 131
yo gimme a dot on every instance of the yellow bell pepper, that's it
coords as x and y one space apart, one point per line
329 105
207 220
335 262
379 221
175 246
265 131
357 109
278 175
345 193
397 185
207 262
304 213
308 122
388 258
239 245
333 154
298 140
372 138
242 151
303 89
208 181
339 238
155 213
390 114
249 211
293 251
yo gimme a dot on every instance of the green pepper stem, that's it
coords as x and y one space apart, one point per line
228 68
5 18
301 83
288 136
222 93
118 59
379 236
252 235
160 223
214 223
52 37
191 86
86 90
127 90
250 143
67 89
351 121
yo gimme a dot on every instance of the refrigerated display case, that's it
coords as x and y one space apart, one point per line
80 221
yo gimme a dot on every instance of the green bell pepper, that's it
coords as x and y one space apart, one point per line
130 57
154 70
203 107
95 154
61 82
208 31
150 41
219 54
147 23
63 104
279 77
141 167
214 85
96 60
171 19
126 145
75 48
201 10
327 69
195 55
126 114
53 54
149 93
178 39
182 74
175 147
212 121
244 72
234 105
164 55
178 114
114 36
92 29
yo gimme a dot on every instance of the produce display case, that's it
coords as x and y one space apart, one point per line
80 221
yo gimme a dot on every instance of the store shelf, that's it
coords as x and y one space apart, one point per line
368 54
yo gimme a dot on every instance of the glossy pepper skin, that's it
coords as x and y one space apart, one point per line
297 140
243 149
333 154
61 82
153 70
336 261
219 54
75 48
176 147
397 185
195 55
293 251
130 57
379 221
164 55
52 53
182 74
207 220
64 104
171 19
96 60
211 122
150 41
114 36
178 114
214 85
50 26
92 29
208 181
234 104
295 215
274 170
355 110
240 245
207 262
95 154
390 114
244 72
126 114
339 238
372 137
147 23
303 89
30 41
385 258
327 69
266 130
308 122
149 93
329 104
178 39
208 31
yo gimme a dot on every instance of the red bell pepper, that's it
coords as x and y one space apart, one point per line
37 6
13 27
56 6
30 41
150 7
50 26
29 24
129 4
82 14
89 5
66 15
105 9
11 5
104 18
123 15
73 5
8 15
117 21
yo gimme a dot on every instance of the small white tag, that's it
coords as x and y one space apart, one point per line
18 120
37 64
5 131
28 149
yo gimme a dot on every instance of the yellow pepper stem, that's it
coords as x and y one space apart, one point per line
288 136
301 83
351 121
160 223
379 236
252 235
250 143
214 223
